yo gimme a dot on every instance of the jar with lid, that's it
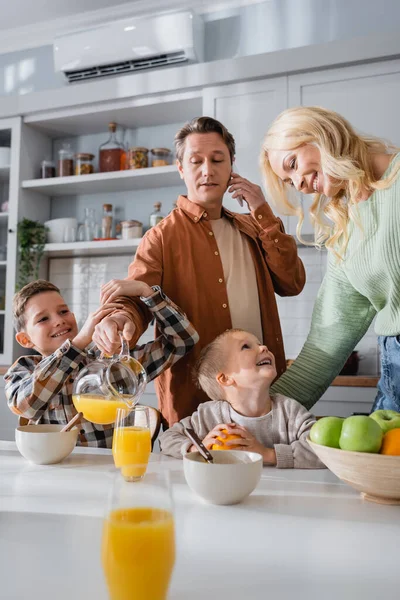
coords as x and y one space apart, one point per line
112 155
48 169
107 221
84 163
160 157
138 157
156 216
65 161
131 229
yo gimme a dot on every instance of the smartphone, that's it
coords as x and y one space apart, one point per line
240 199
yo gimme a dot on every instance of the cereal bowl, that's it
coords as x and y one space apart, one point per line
229 480
45 444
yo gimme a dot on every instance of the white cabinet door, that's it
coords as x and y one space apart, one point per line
246 109
367 95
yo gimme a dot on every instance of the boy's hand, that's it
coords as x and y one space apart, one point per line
124 287
210 438
248 442
85 335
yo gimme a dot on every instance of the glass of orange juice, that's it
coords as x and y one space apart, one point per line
131 445
138 547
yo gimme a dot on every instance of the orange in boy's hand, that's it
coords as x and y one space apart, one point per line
391 442
230 436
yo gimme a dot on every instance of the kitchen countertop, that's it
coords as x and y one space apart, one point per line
302 534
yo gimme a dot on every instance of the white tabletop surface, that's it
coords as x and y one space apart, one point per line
301 535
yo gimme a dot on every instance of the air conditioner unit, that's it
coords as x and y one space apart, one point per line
130 45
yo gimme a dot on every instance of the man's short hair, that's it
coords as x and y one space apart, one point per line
26 293
212 360
203 125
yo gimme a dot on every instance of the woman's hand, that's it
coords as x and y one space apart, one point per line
123 287
250 192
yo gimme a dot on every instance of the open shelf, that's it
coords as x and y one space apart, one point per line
4 215
101 183
3 263
106 248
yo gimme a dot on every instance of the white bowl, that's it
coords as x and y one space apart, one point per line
229 480
45 444
5 156
56 228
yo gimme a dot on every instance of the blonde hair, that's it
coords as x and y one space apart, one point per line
345 156
210 363
26 293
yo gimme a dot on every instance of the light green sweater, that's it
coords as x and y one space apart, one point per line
366 283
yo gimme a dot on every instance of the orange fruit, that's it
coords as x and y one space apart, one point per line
391 442
230 436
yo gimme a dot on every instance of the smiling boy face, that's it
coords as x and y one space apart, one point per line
48 323
247 361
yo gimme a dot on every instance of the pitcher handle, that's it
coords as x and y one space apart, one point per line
124 353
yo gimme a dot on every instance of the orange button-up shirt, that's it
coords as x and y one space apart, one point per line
181 255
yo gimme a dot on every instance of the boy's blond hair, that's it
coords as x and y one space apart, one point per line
211 362
26 293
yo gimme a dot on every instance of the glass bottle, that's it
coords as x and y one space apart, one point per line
112 154
107 221
90 226
156 216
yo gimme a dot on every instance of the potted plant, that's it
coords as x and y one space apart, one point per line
31 241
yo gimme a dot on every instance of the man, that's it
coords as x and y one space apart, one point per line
222 268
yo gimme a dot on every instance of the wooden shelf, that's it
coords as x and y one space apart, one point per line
104 183
355 381
4 173
106 248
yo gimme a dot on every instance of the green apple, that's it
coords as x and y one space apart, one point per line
361 434
386 419
326 431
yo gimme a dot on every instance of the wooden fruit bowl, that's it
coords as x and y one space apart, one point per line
376 476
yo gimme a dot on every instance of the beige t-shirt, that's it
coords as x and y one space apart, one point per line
240 277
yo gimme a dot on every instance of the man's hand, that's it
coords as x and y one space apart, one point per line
248 442
124 287
85 335
250 192
210 438
106 333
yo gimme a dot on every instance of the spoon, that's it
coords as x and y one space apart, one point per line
72 422
199 445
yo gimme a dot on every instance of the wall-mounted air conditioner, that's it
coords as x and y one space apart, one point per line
130 45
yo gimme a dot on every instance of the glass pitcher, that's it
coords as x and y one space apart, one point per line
107 384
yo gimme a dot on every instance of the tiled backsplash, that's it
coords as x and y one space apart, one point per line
80 280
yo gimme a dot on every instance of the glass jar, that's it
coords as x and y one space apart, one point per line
112 155
107 221
48 169
84 163
89 226
131 229
161 157
156 216
138 157
65 161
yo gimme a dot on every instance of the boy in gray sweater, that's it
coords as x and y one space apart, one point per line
237 371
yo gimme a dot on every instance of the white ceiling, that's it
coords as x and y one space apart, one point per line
20 13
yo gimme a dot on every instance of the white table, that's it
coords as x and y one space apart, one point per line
302 535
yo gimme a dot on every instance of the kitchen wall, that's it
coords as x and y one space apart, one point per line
262 27
80 280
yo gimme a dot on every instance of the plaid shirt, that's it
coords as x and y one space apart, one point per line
40 389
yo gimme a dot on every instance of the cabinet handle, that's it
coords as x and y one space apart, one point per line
11 231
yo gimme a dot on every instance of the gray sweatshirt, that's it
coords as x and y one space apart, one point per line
285 428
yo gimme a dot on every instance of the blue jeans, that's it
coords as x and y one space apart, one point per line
388 396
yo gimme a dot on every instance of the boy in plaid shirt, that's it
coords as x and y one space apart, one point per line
39 387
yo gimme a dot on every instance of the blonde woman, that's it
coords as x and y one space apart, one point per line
356 213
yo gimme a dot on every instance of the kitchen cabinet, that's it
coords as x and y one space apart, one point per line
246 109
